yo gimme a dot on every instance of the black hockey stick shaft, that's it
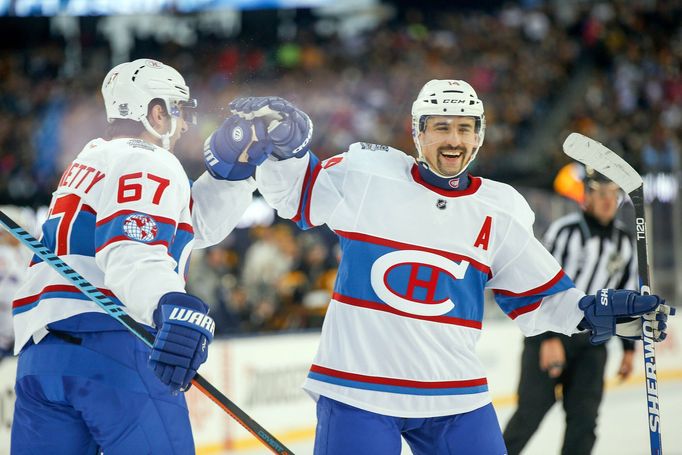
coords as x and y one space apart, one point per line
641 233
138 330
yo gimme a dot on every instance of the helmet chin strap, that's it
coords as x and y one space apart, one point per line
165 138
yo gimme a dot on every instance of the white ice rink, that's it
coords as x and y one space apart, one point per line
622 425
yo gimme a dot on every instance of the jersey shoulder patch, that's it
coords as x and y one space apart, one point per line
140 144
374 147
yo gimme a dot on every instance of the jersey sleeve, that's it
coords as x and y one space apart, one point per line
138 214
530 286
217 207
306 190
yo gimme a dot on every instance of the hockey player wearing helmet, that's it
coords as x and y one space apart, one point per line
421 241
125 216
448 127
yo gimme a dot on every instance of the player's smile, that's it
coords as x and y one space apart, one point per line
451 159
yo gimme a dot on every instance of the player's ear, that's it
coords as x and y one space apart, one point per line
157 117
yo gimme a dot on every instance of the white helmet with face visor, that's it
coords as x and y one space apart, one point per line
448 98
130 87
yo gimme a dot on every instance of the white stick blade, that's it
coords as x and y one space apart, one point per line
603 160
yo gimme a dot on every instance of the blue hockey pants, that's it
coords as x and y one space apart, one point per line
343 429
94 392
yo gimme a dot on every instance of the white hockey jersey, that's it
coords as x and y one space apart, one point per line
126 218
400 333
13 259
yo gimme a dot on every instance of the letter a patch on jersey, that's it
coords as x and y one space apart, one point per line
483 238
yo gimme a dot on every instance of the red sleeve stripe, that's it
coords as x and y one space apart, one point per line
186 227
525 309
538 290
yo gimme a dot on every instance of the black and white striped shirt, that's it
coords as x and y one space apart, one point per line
594 256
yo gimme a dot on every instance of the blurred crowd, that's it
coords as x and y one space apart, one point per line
359 88
634 101
355 88
272 280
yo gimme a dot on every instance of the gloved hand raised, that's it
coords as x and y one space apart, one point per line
181 345
289 128
234 150
614 312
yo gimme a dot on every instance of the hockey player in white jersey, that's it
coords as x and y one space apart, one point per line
126 217
420 241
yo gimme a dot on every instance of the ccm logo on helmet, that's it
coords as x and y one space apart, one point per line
454 101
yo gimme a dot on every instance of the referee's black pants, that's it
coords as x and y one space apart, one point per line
583 382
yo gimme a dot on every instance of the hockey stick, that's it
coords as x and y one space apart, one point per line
593 154
138 330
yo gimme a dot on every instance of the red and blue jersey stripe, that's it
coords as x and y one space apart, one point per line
110 230
395 385
514 304
56 291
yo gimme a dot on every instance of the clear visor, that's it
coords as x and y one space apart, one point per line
186 110
452 130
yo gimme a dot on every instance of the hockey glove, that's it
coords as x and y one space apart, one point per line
289 128
234 150
613 312
181 345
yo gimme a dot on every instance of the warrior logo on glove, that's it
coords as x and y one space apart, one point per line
193 317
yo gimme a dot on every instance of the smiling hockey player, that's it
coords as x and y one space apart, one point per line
126 217
420 242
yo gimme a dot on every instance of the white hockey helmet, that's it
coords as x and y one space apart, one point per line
447 97
129 88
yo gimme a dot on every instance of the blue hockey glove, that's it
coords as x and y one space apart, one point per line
234 150
181 345
289 128
613 312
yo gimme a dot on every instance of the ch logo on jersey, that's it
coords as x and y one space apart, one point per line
408 281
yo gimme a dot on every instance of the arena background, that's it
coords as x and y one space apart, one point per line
611 70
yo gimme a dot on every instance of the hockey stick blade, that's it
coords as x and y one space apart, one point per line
117 312
603 160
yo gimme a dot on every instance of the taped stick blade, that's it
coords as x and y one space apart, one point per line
603 160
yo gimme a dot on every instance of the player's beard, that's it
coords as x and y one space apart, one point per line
450 167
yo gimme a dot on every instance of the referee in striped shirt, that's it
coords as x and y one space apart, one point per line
597 253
